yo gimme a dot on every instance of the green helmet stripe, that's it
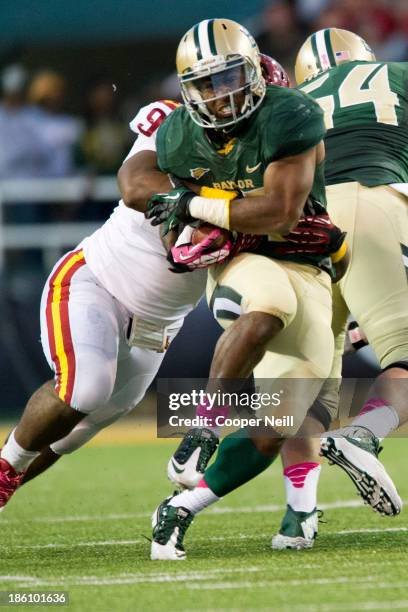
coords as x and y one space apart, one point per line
315 53
211 38
197 42
329 47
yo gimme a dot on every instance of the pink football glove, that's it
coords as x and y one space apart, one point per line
186 257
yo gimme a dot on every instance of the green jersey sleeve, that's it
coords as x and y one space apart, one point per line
301 125
171 146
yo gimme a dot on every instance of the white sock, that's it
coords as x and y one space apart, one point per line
301 482
17 457
379 418
196 500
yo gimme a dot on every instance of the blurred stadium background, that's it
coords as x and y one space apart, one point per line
72 76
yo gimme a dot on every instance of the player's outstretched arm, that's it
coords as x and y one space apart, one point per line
287 185
139 178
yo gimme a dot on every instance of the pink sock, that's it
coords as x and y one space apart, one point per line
377 417
301 482
371 404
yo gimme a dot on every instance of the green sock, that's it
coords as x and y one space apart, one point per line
237 462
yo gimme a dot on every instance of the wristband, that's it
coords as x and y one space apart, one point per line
212 210
213 192
340 253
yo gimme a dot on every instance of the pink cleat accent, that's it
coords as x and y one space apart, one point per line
202 484
10 480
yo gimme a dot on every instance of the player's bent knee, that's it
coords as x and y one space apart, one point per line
80 435
92 393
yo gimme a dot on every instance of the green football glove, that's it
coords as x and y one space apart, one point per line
170 209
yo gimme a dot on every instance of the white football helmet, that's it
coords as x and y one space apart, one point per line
218 59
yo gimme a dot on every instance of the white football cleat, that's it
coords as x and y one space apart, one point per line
187 466
169 527
355 450
298 530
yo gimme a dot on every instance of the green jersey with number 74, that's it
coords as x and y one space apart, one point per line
365 108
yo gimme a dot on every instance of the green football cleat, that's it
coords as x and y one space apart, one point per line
187 466
355 450
169 528
298 530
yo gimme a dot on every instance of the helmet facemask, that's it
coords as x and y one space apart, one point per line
221 91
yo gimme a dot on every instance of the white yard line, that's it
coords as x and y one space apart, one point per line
7 578
76 544
129 578
207 580
388 529
76 518
400 604
347 503
235 537
370 582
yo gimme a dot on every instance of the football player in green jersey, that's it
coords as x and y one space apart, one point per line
274 302
365 103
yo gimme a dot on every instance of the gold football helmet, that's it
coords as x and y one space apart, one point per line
219 70
328 48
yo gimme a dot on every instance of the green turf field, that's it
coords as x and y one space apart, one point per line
80 528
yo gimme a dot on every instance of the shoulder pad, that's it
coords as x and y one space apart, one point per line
149 117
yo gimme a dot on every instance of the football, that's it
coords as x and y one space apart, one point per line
201 232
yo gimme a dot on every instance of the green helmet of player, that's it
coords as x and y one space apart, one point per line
219 70
328 48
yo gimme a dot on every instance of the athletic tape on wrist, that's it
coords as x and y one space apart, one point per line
212 210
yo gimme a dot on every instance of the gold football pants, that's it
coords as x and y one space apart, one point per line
374 288
300 296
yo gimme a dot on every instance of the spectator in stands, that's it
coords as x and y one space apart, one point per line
309 10
397 47
61 131
107 137
23 151
280 34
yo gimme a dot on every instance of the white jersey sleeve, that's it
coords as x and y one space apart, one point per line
147 122
127 256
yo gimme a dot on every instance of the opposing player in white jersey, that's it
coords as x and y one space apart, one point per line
126 259
108 312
